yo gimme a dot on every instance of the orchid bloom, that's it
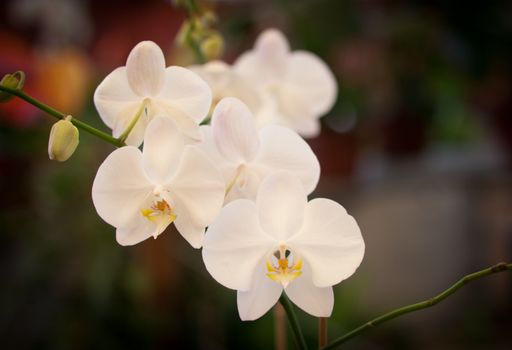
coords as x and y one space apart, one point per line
246 156
225 82
302 85
129 97
141 193
282 242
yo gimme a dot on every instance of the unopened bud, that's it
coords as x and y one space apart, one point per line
212 46
63 140
12 81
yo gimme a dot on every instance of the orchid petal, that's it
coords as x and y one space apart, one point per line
330 240
192 233
198 186
185 124
186 92
120 187
314 300
235 244
145 69
114 95
163 146
268 60
309 84
283 149
225 82
234 130
281 202
142 230
264 293
307 128
123 122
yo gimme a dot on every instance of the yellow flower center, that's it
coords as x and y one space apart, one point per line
284 266
161 213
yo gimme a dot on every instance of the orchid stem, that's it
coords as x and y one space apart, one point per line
279 327
294 323
134 121
322 332
193 10
59 115
421 305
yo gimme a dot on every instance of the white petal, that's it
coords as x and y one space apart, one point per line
186 92
192 233
309 85
124 120
268 60
225 82
248 66
308 128
246 185
163 146
198 187
314 300
283 149
281 202
142 230
234 130
115 95
209 147
120 187
145 68
235 244
330 241
264 294
185 124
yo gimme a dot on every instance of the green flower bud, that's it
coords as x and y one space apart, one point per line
212 46
63 140
12 81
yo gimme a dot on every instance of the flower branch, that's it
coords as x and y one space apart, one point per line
59 115
294 323
500 267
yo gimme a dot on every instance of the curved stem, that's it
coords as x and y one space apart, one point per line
135 119
59 115
294 323
421 305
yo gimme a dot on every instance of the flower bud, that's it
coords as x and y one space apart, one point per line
12 81
63 140
212 46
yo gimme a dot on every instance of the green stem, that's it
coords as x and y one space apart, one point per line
59 115
134 121
194 45
421 305
294 323
192 7
192 12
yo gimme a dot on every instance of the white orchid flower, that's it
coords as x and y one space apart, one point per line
141 193
302 85
282 242
225 82
129 97
246 155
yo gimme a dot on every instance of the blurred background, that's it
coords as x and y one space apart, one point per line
418 149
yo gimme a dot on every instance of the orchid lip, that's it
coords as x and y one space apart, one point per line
284 265
160 212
